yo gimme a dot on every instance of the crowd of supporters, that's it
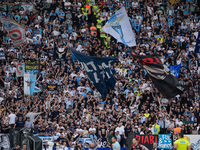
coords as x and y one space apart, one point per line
161 27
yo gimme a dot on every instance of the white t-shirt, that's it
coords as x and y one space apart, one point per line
79 130
92 130
120 129
167 122
134 4
179 123
67 4
12 69
56 33
12 118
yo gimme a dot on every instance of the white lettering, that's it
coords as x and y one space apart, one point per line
92 64
108 75
86 67
96 78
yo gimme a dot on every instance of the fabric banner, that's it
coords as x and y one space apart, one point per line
32 67
45 138
2 56
193 139
85 140
29 7
29 83
20 69
52 88
175 69
60 53
4 141
99 71
103 142
146 141
164 141
37 90
165 81
120 28
197 48
15 31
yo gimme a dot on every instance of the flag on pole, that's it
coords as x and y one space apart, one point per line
99 71
175 69
29 83
15 31
160 75
197 48
120 28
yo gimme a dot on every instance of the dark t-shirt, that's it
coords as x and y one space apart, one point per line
127 131
49 130
20 124
103 132
41 131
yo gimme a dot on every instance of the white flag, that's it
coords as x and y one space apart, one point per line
29 7
15 31
29 83
120 28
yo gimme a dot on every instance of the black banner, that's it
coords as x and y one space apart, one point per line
52 88
60 53
32 66
161 76
2 56
103 142
146 141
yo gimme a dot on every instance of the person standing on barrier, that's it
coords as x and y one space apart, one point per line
115 145
12 118
135 145
181 143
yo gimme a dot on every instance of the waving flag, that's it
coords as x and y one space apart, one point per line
29 7
197 48
99 71
37 89
15 31
120 28
175 69
29 83
160 75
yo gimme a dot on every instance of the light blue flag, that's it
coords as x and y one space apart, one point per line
175 69
33 80
164 141
120 28
37 90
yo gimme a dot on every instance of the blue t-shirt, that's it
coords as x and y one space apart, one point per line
118 137
116 145
49 130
